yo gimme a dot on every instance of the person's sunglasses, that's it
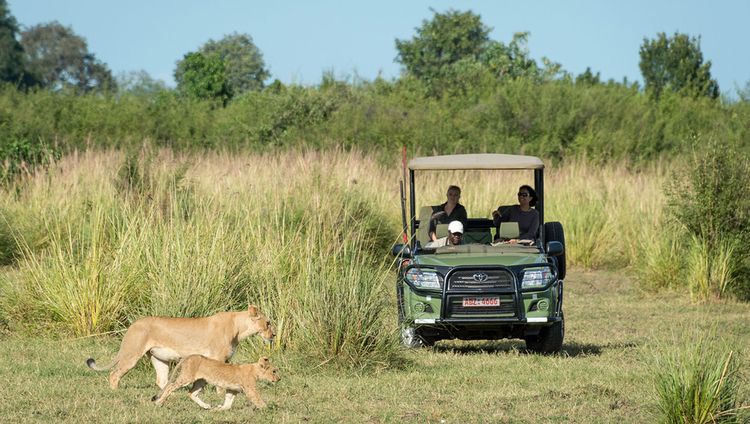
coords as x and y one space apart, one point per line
457 234
523 194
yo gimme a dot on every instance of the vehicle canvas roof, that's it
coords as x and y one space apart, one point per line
476 161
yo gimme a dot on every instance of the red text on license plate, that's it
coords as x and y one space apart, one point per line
481 301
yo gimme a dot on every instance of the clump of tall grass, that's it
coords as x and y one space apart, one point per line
711 269
662 259
699 382
705 198
80 282
302 239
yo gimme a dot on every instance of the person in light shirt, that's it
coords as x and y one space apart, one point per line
454 238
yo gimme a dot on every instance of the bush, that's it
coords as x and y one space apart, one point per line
554 119
708 200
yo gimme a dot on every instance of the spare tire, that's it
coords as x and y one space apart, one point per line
553 231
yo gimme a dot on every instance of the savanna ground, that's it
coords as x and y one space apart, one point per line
604 374
99 240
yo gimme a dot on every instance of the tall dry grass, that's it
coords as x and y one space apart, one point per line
304 236
102 238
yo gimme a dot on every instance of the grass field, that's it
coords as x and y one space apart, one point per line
605 374
100 239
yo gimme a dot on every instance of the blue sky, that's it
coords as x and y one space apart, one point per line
302 39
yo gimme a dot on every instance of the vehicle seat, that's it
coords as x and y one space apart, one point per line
508 230
441 230
481 236
501 209
423 232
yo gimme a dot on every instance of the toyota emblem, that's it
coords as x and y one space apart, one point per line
480 277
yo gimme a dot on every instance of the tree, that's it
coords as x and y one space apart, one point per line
243 62
446 39
60 59
11 52
139 83
203 77
676 64
513 61
588 78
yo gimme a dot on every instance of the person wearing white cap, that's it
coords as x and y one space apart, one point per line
454 238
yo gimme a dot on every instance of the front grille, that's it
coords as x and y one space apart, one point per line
480 279
456 309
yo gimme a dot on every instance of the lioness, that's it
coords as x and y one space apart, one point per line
167 340
234 378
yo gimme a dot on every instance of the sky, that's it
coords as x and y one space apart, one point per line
302 39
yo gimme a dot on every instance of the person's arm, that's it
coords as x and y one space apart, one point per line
496 218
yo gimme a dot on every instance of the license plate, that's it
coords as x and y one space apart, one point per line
481 301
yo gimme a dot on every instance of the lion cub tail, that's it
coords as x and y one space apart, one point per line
92 364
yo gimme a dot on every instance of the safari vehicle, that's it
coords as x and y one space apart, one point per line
480 289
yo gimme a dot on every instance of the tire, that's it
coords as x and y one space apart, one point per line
411 338
549 340
553 231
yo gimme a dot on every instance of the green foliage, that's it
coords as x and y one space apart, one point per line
698 382
11 53
588 78
222 69
711 267
243 60
60 59
552 118
708 196
203 77
676 64
139 83
20 154
514 61
442 41
707 200
453 53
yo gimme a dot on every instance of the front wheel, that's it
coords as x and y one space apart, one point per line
549 340
411 338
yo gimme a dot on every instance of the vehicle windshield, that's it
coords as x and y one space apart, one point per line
482 248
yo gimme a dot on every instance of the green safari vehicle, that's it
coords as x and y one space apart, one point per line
480 290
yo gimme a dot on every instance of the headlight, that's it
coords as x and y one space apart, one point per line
536 277
424 279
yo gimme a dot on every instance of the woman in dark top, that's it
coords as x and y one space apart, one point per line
522 213
449 211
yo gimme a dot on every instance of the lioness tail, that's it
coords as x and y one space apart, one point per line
92 364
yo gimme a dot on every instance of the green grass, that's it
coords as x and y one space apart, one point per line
698 382
101 238
614 333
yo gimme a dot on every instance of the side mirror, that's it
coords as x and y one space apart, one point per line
555 248
402 250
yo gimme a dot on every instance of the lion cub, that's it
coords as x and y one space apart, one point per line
234 378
